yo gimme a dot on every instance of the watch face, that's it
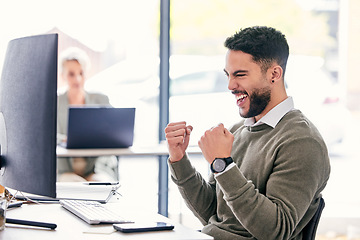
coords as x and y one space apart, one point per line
219 165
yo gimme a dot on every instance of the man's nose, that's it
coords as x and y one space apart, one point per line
231 83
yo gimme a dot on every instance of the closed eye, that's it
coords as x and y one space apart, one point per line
240 75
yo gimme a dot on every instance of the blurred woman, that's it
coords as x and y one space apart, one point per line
74 63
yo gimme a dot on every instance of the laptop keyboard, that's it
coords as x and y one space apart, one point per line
92 212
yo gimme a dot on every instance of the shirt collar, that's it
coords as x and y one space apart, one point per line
273 117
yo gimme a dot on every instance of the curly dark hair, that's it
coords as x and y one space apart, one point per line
265 44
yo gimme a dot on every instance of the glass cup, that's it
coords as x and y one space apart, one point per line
3 206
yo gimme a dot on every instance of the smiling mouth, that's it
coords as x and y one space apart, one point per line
240 99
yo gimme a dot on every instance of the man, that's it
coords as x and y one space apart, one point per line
269 170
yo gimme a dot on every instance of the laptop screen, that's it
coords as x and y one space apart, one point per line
100 127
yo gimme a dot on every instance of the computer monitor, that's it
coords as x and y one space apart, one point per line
28 108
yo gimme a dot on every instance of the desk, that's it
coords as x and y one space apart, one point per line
160 150
71 227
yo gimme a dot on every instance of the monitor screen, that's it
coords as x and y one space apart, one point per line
28 106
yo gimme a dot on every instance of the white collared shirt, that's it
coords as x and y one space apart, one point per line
272 118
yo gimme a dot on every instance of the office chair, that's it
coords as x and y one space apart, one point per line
309 231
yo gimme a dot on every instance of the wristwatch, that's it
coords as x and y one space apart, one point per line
220 164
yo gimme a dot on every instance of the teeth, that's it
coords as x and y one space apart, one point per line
240 96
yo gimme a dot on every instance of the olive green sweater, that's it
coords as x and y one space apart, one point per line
274 189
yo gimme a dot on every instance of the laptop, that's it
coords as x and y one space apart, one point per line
74 191
100 127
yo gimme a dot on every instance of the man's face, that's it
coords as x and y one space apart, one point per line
248 83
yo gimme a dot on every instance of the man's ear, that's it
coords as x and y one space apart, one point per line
276 73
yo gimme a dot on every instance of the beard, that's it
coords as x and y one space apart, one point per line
259 99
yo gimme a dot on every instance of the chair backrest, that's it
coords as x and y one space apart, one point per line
309 231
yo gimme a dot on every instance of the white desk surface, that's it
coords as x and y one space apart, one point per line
71 227
157 150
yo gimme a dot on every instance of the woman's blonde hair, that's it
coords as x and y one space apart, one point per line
77 54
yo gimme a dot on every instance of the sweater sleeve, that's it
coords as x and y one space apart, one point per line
297 177
199 195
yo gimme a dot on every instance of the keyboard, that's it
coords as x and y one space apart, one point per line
92 212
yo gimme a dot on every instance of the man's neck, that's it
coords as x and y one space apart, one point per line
273 103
